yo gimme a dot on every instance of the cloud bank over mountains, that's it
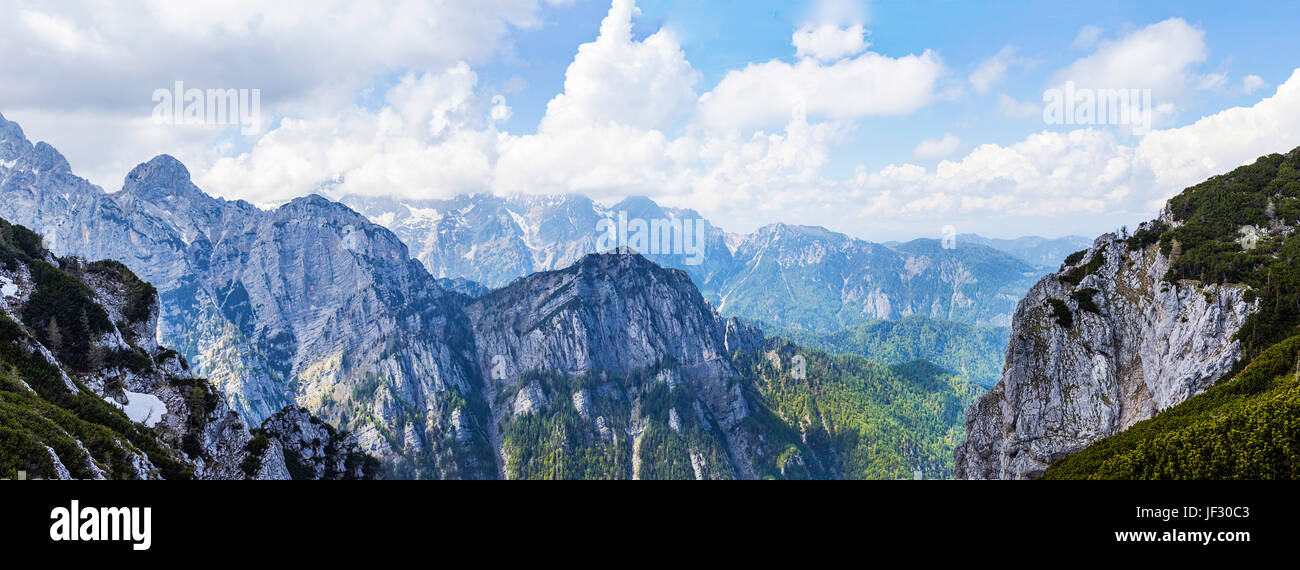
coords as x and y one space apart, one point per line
635 116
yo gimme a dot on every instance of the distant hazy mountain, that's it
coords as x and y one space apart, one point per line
974 352
795 276
1041 252
812 278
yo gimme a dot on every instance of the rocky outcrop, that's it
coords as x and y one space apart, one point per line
1095 348
612 318
184 425
308 304
312 449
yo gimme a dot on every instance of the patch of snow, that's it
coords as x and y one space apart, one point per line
7 287
528 229
428 213
146 409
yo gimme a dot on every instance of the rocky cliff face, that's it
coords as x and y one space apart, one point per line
110 402
649 354
308 304
1095 348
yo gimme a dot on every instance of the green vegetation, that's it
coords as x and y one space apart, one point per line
559 443
1061 312
49 415
861 419
1206 247
37 408
255 447
1084 298
141 294
1244 428
1076 275
1147 236
975 352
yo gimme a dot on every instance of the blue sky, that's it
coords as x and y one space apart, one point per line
918 114
719 36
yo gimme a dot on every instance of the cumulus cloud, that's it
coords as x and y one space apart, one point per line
1160 57
1084 171
829 42
1184 156
427 140
937 147
645 84
1250 83
867 85
74 59
753 150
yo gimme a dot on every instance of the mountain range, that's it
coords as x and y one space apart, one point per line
610 366
801 277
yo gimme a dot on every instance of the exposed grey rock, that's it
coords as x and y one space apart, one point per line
610 315
312 449
309 304
1152 345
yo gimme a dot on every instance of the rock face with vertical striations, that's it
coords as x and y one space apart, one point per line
308 304
645 348
86 392
1095 348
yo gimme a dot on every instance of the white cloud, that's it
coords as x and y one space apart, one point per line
53 31
646 84
1088 37
868 85
1083 174
500 110
427 140
1159 57
1250 83
79 62
930 149
1212 81
1233 137
829 42
991 70
752 151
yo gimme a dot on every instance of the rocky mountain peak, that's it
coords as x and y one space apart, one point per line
12 141
162 177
